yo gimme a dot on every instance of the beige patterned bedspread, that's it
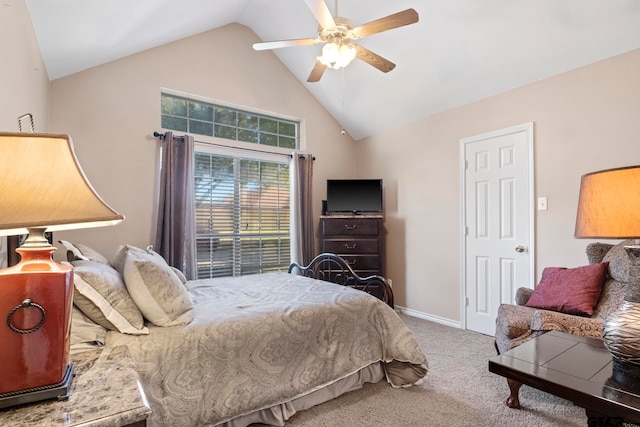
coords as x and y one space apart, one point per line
261 340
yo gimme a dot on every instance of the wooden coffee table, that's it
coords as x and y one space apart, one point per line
574 368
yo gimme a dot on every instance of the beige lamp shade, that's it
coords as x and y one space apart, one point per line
609 204
42 185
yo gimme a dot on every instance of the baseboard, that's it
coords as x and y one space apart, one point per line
430 317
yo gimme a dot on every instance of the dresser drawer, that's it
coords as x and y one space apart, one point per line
347 226
351 246
362 262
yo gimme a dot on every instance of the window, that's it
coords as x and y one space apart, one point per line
204 118
242 215
241 193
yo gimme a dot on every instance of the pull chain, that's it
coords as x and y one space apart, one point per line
342 132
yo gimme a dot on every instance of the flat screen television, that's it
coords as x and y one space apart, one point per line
358 196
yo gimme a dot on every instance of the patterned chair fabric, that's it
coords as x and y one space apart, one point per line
516 323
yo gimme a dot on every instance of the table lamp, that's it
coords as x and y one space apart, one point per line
609 208
42 188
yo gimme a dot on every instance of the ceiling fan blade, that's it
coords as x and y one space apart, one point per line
317 72
390 22
374 59
284 43
321 12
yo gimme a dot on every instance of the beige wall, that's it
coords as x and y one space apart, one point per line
584 120
111 112
24 84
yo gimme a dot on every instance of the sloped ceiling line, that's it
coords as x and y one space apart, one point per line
460 51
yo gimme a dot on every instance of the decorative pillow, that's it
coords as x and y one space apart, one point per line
570 290
121 256
85 333
101 295
80 252
180 275
161 259
618 261
157 290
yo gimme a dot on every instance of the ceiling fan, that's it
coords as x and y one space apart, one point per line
338 35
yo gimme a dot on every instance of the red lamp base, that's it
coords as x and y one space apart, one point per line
36 297
57 391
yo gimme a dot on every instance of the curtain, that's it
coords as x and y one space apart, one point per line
302 235
175 237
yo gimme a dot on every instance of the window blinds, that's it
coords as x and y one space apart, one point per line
242 215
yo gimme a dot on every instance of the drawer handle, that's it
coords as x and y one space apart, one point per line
350 227
346 245
352 262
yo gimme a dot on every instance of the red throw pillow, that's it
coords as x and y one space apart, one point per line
570 290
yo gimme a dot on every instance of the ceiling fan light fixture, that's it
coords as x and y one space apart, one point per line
338 35
336 55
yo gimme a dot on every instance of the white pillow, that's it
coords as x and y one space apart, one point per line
121 256
78 251
181 276
157 290
85 333
101 295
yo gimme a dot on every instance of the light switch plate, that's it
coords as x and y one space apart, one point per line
542 203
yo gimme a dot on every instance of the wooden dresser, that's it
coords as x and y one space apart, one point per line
358 239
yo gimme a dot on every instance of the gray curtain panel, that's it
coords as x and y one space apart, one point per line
302 235
175 237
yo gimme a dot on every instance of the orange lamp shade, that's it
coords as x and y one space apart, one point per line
43 185
609 204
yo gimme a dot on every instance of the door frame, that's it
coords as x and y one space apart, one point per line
528 129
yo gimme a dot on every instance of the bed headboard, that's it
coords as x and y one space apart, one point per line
331 268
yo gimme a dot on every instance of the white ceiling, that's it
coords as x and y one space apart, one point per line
459 52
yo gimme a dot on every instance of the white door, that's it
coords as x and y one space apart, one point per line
497 222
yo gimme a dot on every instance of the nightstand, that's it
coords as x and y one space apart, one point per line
105 392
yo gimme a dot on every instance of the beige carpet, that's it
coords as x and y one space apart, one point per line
458 391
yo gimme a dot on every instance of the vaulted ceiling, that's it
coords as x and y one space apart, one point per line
460 51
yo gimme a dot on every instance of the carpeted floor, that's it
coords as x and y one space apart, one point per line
458 391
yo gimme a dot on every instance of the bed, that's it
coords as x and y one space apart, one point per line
252 349
332 268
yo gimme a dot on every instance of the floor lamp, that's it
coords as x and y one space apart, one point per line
42 188
609 208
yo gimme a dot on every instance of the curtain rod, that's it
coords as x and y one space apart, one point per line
161 136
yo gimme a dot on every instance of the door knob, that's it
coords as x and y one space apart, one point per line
520 248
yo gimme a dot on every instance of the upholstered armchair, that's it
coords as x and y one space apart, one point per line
517 323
